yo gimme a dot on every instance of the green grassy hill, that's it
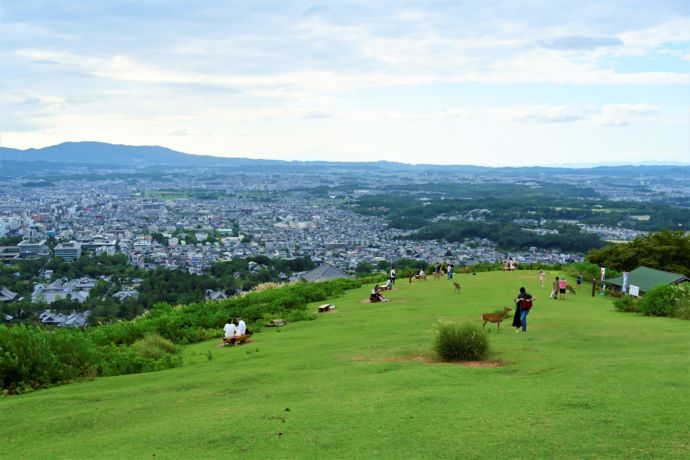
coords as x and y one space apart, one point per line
361 382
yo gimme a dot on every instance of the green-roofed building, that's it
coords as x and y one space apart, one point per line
647 278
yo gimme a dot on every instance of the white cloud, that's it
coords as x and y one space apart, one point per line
377 77
614 114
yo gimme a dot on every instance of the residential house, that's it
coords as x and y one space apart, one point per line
324 272
647 278
6 295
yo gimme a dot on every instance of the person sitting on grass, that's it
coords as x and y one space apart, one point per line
389 285
376 295
230 330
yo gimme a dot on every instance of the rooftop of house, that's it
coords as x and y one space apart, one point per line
647 278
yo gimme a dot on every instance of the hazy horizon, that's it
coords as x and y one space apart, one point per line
566 165
503 84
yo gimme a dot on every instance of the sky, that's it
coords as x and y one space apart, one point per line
496 83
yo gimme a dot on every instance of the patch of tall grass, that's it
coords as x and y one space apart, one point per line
461 342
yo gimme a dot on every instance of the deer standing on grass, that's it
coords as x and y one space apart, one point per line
495 318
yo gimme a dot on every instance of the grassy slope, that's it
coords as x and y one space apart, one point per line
585 382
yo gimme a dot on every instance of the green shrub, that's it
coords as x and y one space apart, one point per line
31 357
682 312
461 342
300 315
625 303
659 301
75 355
682 298
153 346
26 360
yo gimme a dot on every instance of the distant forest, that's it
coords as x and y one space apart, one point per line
500 212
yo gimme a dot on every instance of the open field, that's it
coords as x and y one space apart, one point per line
584 382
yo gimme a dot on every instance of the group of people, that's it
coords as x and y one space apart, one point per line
449 269
235 328
509 265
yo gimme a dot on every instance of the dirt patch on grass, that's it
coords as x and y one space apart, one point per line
367 301
491 363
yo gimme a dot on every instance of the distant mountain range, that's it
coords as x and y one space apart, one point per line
99 155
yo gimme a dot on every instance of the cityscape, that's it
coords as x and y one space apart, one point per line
189 220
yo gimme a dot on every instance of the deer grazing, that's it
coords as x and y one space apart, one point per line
495 318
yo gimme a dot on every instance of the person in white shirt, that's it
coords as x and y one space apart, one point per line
389 285
392 275
241 326
230 330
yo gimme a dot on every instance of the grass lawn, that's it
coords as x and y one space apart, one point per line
584 382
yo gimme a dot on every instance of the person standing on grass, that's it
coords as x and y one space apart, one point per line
525 301
554 289
579 280
518 312
562 285
541 278
392 276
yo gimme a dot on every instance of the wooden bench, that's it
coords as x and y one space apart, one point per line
275 323
326 307
236 340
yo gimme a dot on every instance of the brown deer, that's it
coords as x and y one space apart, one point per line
495 318
457 286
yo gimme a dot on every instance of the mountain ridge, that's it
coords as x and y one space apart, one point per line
101 154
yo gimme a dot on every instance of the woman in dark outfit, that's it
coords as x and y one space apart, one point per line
518 311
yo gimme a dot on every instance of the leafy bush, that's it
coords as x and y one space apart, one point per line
682 295
659 301
669 300
26 360
625 303
31 357
300 315
153 346
461 342
682 312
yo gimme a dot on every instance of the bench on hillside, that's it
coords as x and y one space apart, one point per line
326 307
236 340
275 323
